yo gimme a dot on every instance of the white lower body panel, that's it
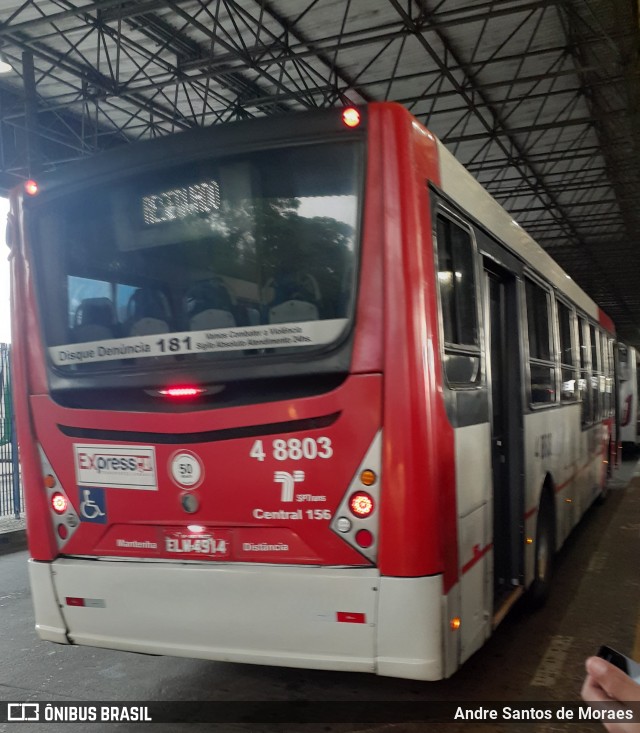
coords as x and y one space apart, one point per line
318 618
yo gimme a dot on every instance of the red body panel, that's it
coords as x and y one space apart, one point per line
606 322
418 525
28 376
238 495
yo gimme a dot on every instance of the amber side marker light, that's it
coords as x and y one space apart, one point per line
368 477
351 117
455 623
31 187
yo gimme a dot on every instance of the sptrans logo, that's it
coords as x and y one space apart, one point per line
116 466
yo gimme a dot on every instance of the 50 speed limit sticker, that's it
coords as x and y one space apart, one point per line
186 470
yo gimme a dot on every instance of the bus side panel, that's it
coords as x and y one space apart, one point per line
367 346
409 643
419 506
573 465
28 375
473 475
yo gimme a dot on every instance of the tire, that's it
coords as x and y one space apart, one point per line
545 550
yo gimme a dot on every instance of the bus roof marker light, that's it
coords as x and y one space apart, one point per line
351 117
31 187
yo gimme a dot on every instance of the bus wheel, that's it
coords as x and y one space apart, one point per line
544 549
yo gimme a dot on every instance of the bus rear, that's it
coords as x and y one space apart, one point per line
199 379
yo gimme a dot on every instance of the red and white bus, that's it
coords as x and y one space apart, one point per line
297 392
628 375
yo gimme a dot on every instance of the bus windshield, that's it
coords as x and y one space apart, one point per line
238 257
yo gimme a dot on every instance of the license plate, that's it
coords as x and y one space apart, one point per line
204 544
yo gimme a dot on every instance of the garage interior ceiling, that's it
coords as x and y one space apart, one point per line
539 99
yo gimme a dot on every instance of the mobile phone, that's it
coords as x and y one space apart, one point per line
626 664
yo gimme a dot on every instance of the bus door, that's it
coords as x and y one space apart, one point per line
504 377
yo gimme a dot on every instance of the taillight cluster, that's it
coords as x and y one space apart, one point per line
362 506
356 519
63 515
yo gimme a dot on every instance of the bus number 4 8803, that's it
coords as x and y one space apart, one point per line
294 449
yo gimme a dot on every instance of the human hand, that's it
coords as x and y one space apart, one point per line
606 683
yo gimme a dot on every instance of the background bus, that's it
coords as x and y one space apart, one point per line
307 392
628 376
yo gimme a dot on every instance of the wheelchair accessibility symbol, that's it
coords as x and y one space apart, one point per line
93 506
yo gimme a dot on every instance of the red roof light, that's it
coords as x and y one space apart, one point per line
351 117
31 187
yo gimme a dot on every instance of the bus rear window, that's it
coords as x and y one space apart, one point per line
229 258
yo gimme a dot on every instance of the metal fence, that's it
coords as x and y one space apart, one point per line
11 501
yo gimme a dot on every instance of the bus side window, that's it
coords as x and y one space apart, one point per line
568 371
457 289
594 382
541 356
585 376
611 380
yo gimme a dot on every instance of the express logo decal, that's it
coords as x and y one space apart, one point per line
116 467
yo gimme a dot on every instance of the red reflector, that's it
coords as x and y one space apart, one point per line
351 117
361 504
62 531
74 601
31 187
344 617
181 391
364 538
59 503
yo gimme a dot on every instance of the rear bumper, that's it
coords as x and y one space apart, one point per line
319 618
